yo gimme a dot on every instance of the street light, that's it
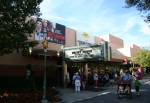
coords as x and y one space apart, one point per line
30 50
45 46
58 54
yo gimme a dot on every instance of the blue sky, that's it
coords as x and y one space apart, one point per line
99 17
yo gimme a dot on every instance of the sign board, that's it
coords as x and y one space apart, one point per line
84 38
54 32
84 53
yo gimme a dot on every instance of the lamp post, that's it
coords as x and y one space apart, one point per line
45 46
63 66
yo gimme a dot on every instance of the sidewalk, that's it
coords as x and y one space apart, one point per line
70 96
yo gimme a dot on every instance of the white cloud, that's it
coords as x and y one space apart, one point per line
95 18
145 29
46 7
137 39
130 22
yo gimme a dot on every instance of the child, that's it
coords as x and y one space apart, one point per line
137 85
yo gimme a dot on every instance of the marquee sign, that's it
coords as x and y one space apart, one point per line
84 52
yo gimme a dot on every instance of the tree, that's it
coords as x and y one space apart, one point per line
16 24
142 57
141 5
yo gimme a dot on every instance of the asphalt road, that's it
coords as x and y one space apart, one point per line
111 96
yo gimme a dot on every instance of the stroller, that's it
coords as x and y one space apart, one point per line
124 88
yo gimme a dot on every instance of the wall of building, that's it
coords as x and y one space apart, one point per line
134 49
115 42
105 37
117 55
130 51
98 39
125 51
18 59
70 37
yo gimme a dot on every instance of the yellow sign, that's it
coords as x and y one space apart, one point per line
85 35
45 44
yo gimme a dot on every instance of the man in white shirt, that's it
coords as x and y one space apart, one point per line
77 82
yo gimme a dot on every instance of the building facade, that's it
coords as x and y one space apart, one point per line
59 38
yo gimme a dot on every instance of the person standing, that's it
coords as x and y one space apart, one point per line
137 85
127 76
95 77
77 82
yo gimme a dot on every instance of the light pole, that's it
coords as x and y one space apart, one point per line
63 66
45 46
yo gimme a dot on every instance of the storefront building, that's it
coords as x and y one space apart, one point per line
68 50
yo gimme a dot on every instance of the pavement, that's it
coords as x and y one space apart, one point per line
68 95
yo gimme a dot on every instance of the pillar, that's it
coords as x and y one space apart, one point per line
64 73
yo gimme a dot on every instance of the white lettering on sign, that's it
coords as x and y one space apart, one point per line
83 53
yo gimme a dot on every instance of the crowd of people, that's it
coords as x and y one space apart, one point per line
98 79
93 79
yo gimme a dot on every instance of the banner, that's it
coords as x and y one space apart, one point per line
38 32
54 32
